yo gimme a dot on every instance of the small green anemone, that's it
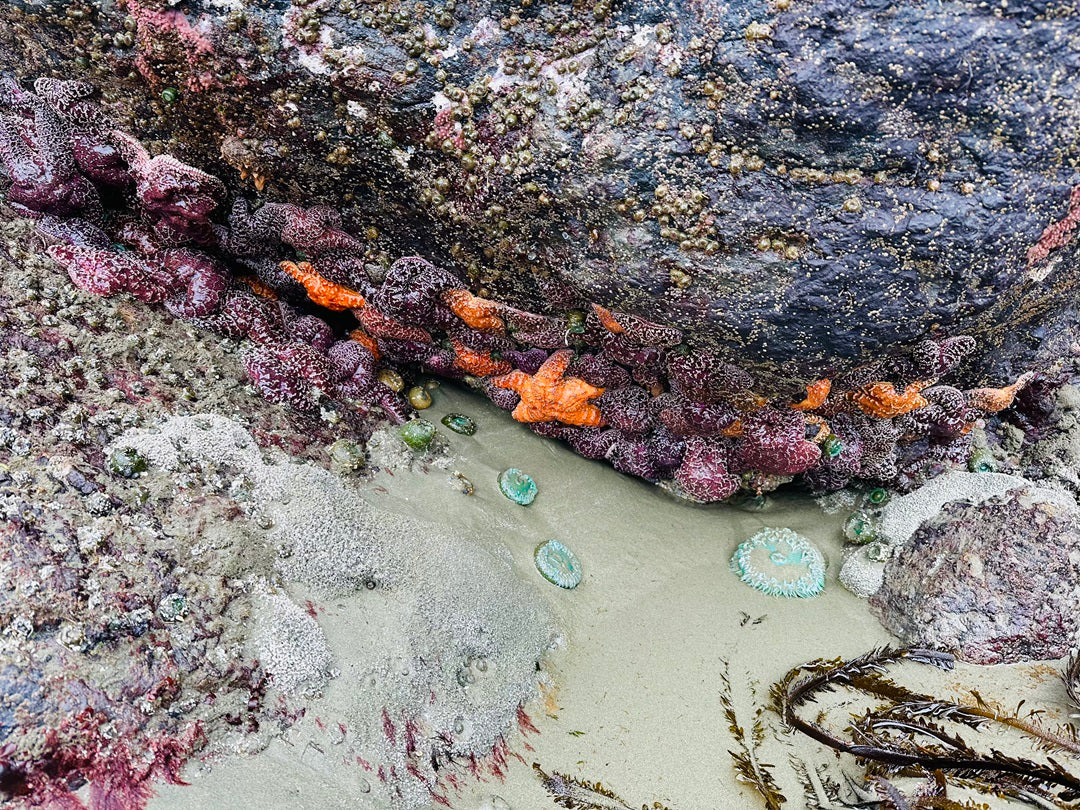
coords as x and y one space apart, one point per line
832 446
982 461
878 496
417 434
517 486
460 423
557 564
860 528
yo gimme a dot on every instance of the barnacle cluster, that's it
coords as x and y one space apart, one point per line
325 324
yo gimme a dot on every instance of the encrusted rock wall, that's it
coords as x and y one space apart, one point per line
804 185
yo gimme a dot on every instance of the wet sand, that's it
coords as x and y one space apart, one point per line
636 703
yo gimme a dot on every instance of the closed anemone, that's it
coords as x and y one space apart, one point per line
982 461
780 562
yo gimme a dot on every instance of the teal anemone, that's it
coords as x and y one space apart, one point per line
982 461
750 502
558 564
517 486
780 562
126 462
575 322
832 446
878 496
861 528
460 423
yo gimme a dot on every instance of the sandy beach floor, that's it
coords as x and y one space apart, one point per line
649 635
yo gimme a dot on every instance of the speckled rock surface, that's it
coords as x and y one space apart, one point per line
804 185
997 582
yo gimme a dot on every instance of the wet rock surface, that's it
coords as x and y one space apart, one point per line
995 582
802 186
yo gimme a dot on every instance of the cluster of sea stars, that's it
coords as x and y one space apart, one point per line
612 384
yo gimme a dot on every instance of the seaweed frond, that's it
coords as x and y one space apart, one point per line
578 794
908 733
749 769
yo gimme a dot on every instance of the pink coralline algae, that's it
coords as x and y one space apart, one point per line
613 385
1059 233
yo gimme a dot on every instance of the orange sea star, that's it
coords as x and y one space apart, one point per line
734 430
882 400
324 293
259 288
816 394
548 395
993 400
479 364
607 320
367 341
822 426
476 313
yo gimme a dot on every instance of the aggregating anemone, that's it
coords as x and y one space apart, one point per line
517 486
780 562
558 564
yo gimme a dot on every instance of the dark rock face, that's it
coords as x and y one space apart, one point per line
997 582
801 189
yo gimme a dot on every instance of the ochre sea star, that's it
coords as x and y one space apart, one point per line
548 395
324 293
882 400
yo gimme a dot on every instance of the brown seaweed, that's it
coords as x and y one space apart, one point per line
913 733
578 794
749 768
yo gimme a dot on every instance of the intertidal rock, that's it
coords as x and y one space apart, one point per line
773 286
800 187
995 582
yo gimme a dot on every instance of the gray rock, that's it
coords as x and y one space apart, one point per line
995 582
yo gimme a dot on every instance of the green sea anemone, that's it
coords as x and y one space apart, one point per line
558 564
418 434
517 486
780 562
982 461
861 528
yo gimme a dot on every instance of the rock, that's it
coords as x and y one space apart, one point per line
995 582
903 515
860 574
740 171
